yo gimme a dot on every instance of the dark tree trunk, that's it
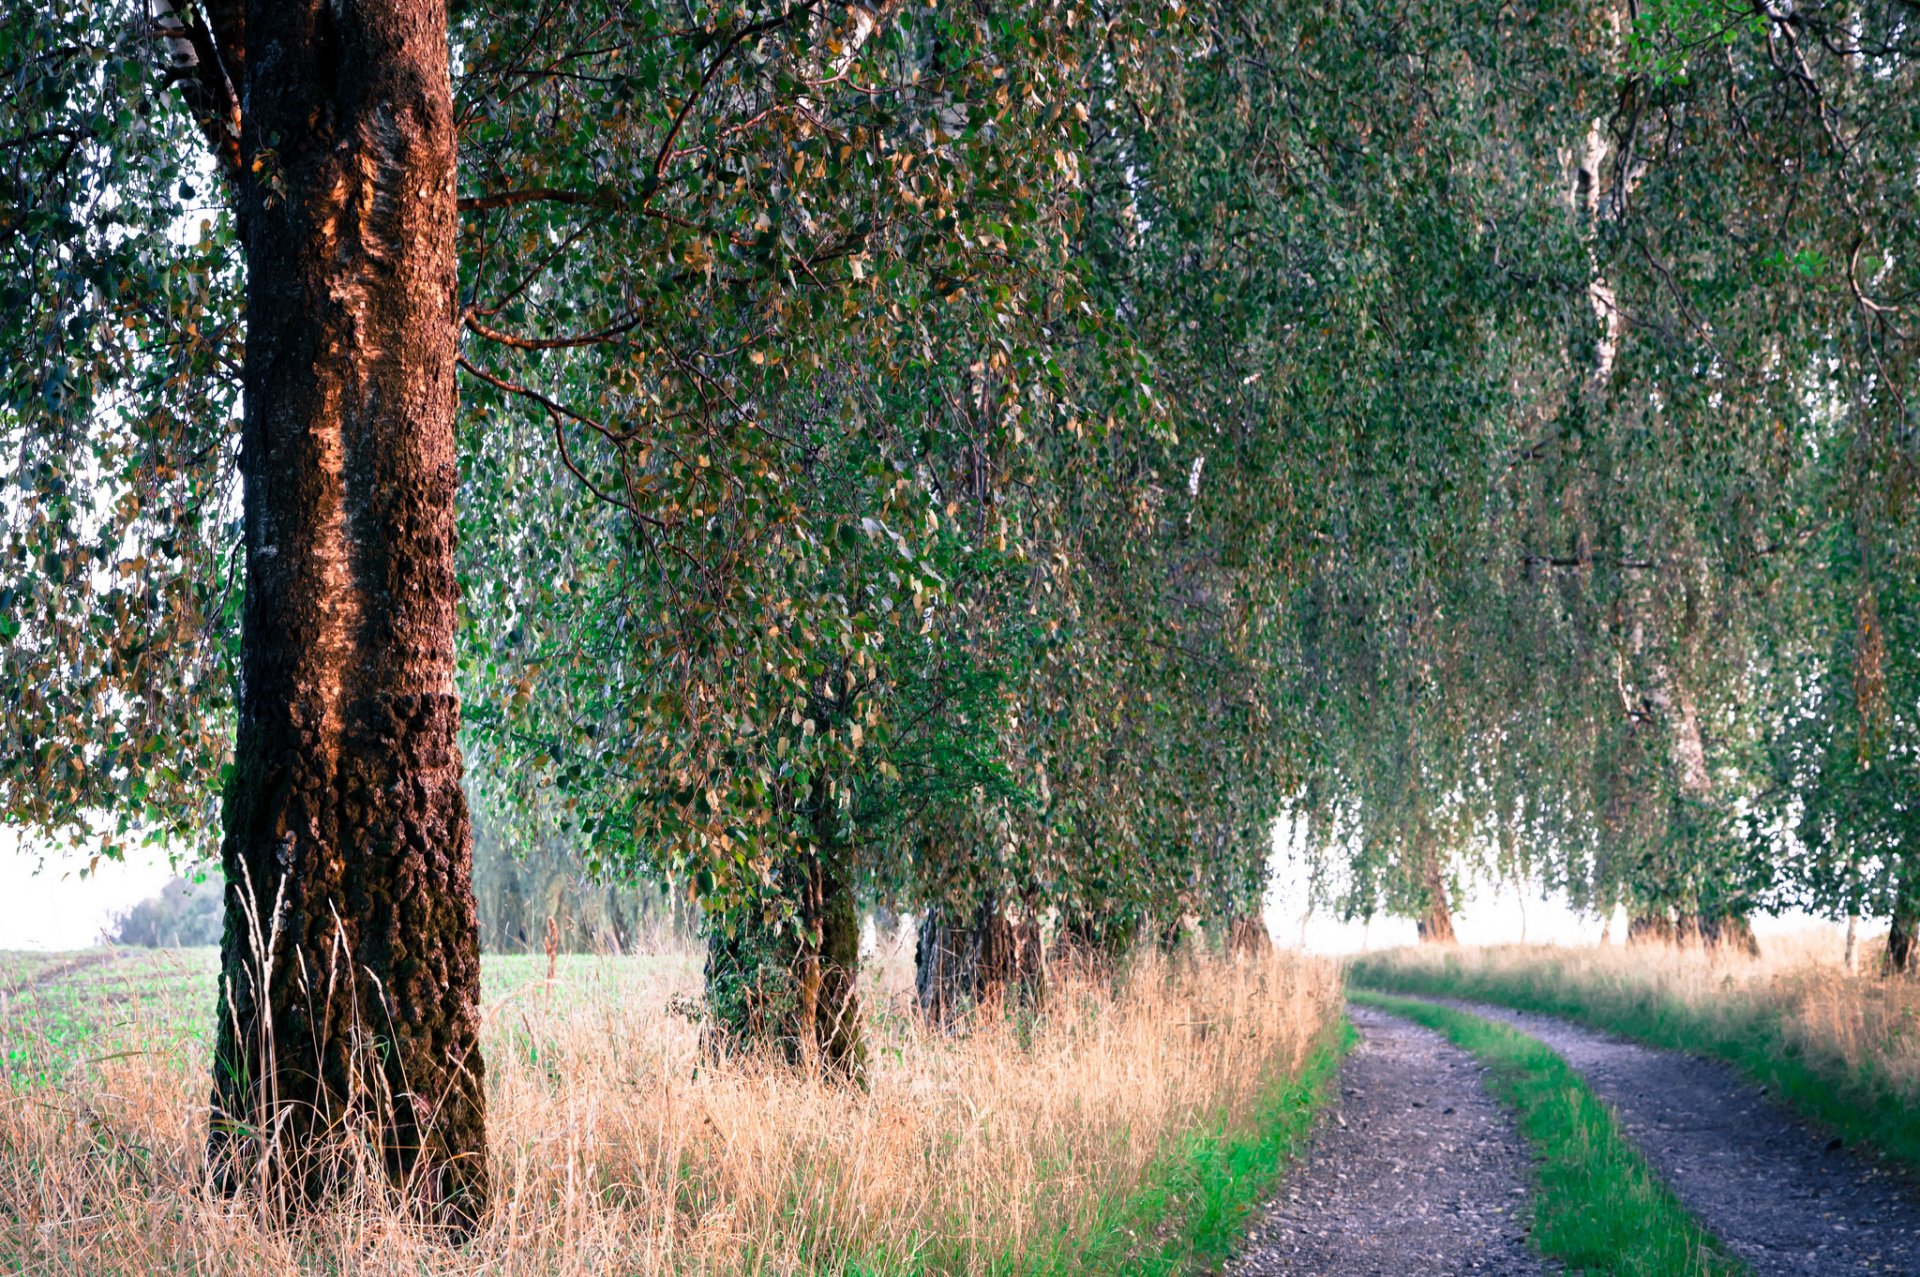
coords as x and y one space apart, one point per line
1903 939
1247 937
1097 945
350 969
1649 927
829 967
1901 943
985 963
943 966
1731 931
794 980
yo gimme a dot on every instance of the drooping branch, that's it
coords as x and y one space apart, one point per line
208 54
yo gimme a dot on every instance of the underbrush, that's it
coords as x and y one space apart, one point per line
1119 1131
1842 1049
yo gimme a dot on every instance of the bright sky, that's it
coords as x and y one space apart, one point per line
1490 914
54 907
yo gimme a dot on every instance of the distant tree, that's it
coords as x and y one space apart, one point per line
186 913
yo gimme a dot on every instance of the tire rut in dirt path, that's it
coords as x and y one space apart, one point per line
57 971
1783 1198
1416 1171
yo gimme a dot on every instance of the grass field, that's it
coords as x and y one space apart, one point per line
1842 1049
1122 1132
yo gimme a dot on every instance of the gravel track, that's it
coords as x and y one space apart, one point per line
1784 1198
1417 1172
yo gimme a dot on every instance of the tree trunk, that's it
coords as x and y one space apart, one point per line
982 964
1097 945
942 967
1901 942
1650 927
1436 924
1903 939
619 930
793 980
828 1027
1247 937
350 968
1732 931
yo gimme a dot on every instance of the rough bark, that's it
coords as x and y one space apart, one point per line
784 971
350 967
987 962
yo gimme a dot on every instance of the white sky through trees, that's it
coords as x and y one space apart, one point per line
45 904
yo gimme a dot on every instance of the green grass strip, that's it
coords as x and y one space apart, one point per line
1860 1106
1187 1216
1597 1206
1193 1210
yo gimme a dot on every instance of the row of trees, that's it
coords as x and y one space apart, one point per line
987 461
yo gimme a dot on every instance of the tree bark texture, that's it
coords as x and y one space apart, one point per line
987 961
350 968
785 970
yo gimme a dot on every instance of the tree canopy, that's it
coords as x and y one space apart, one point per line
999 460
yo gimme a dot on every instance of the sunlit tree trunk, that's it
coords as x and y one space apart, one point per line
1436 922
350 968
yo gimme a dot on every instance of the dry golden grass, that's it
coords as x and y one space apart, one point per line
618 1148
1794 1006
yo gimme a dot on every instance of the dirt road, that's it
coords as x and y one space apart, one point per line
1783 1197
1416 1171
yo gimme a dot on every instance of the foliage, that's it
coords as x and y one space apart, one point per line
1018 454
